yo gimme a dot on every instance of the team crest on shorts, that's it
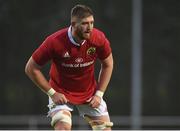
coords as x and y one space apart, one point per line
91 50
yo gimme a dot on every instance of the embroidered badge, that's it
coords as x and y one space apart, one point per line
91 50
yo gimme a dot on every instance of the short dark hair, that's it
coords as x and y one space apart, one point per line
81 11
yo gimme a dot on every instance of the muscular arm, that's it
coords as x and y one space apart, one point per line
105 73
103 80
33 71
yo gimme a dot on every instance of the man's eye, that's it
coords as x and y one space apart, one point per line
84 23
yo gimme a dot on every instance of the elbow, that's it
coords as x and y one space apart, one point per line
108 62
26 69
31 68
111 65
108 66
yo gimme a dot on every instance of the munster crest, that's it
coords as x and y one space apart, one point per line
91 50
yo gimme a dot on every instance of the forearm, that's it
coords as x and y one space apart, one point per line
104 77
38 78
103 80
34 73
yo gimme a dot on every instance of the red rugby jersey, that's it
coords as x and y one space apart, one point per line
72 66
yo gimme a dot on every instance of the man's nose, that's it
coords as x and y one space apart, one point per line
90 26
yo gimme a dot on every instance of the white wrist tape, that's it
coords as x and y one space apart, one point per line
99 93
51 92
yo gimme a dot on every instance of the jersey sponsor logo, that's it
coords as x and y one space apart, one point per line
91 50
78 65
79 60
66 55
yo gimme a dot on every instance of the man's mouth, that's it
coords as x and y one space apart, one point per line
87 32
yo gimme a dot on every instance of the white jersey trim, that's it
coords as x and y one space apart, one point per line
71 38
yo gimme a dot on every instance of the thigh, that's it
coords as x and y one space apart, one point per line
54 108
85 109
98 118
60 115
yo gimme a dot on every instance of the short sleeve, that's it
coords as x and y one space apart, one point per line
104 50
44 52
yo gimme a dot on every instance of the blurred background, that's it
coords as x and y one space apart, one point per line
151 103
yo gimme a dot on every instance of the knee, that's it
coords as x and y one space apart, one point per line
99 124
62 126
61 120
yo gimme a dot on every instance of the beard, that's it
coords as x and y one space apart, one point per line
84 35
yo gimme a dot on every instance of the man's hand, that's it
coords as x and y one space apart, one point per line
59 98
94 101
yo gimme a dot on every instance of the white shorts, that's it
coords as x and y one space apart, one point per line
84 109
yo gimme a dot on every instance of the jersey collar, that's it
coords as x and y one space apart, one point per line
71 38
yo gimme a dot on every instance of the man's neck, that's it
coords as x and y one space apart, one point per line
76 37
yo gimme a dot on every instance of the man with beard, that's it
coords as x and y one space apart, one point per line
73 52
